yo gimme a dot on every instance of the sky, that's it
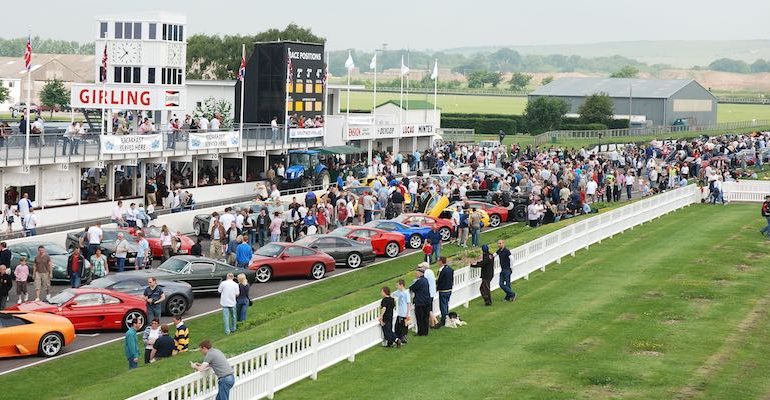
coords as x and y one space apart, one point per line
426 24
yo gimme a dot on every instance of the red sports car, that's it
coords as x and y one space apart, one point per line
152 234
446 227
92 309
497 214
383 243
278 259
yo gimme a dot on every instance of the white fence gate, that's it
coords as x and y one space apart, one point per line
263 371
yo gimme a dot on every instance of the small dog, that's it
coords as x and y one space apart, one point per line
453 321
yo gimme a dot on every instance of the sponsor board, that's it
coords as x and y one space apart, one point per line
214 140
127 97
117 144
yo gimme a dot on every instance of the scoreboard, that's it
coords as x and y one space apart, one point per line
267 84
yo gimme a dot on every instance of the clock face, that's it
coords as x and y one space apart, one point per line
175 55
126 53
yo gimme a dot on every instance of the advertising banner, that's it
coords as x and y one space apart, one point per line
387 131
214 140
126 97
116 144
362 132
299 133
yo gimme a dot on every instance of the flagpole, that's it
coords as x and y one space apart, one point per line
29 100
435 92
243 86
286 106
374 113
401 96
347 118
326 89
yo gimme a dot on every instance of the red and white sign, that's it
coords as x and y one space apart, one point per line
126 97
358 132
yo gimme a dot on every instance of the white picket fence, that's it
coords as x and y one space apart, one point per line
263 371
746 191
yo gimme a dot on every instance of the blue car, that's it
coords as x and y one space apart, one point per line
415 235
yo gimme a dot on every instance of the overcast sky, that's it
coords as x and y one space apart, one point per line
426 24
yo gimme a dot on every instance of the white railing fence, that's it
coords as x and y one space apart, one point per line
746 191
263 371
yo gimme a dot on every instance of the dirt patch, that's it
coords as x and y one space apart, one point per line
652 294
672 321
649 353
626 317
743 267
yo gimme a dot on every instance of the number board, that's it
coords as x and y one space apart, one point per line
306 90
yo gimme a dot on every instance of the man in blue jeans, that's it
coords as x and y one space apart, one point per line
505 271
228 294
154 296
215 360
435 241
444 285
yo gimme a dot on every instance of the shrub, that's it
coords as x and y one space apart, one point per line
480 125
583 127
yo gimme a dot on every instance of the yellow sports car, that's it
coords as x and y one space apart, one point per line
438 208
32 333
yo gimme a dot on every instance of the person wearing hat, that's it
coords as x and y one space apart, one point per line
487 266
422 300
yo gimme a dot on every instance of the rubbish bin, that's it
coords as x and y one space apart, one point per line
553 139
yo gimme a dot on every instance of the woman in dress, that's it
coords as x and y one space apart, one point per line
98 264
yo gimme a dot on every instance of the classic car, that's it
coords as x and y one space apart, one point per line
203 274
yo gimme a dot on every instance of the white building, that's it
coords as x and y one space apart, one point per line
14 92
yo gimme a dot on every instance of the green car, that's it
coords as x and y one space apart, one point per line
58 255
202 273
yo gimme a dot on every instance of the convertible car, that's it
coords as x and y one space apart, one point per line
277 259
92 308
346 252
179 295
29 249
30 333
382 242
203 274
414 235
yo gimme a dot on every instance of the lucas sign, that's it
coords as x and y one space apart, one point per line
126 97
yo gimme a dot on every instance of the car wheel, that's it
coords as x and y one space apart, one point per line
520 213
354 260
494 220
176 305
445 233
318 271
197 229
51 344
134 315
415 241
264 274
392 249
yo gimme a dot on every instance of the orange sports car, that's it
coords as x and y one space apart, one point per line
31 333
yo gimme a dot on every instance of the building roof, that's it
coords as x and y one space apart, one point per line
614 87
66 67
411 104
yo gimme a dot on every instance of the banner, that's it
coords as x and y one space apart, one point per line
358 132
360 120
424 129
126 97
213 140
387 131
299 133
116 144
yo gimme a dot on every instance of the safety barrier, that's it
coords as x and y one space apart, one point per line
263 371
746 191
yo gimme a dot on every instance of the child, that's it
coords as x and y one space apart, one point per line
404 300
427 249
21 272
387 305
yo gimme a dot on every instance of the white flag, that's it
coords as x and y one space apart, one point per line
349 62
404 68
434 74
373 64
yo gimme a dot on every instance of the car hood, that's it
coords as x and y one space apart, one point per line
258 258
153 272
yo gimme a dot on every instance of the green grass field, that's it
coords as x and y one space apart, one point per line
515 105
674 309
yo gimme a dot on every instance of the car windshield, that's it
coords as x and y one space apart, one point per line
341 232
151 232
270 250
109 236
102 283
400 218
62 297
173 265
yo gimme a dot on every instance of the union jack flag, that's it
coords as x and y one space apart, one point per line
28 54
104 64
242 69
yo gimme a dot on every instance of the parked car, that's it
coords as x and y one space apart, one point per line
383 243
497 214
414 235
57 253
92 308
516 202
278 259
31 333
446 214
179 295
21 106
446 227
152 234
202 222
203 274
108 245
346 252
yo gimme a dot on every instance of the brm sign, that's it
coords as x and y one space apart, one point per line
126 97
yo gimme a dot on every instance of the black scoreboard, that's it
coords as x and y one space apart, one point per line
267 86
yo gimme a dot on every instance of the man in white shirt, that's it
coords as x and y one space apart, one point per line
280 171
203 123
228 292
431 277
239 221
131 215
31 222
275 194
274 126
23 207
94 235
227 218
591 189
117 215
214 124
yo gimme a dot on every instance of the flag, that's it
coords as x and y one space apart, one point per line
404 68
373 64
104 64
289 70
28 54
349 62
242 69
434 74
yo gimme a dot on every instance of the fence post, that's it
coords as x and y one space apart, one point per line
351 337
314 356
271 361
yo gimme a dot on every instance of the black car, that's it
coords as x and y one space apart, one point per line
109 237
179 295
346 252
57 253
203 274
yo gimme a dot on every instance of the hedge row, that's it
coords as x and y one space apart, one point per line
479 115
481 125
583 127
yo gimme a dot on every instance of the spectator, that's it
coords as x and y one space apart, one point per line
43 273
165 242
765 214
76 267
181 335
403 303
434 237
99 267
218 238
131 215
143 215
243 253
427 250
117 215
263 226
242 302
5 254
475 223
275 227
163 346
274 127
154 296
30 223
121 252
94 236
228 292
215 360
130 344
197 248
21 273
6 284
504 255
444 285
422 301
487 266
142 252
387 305
151 334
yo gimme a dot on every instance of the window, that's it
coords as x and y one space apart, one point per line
103 30
88 299
137 30
150 75
175 30
118 75
128 31
9 321
165 29
171 76
127 286
11 84
127 74
137 75
294 251
153 31
118 30
202 268
178 76
110 300
181 33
